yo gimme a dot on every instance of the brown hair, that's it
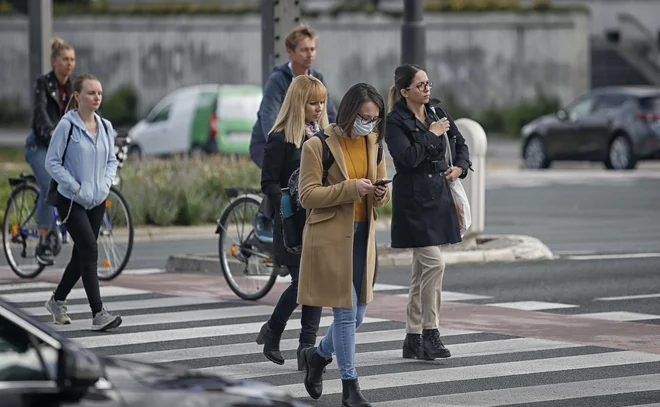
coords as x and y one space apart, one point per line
293 38
77 87
350 105
57 46
403 77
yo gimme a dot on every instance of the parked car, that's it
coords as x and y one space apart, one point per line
202 119
616 125
41 368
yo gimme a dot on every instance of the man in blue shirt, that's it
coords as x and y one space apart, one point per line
301 46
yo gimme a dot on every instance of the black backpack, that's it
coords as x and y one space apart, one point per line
292 213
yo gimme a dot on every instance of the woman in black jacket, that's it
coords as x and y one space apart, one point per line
52 93
428 152
302 114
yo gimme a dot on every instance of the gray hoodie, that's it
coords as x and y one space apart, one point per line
89 165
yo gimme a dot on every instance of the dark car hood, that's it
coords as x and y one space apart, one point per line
145 384
538 123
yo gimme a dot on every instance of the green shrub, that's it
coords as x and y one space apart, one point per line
121 106
507 120
12 112
183 191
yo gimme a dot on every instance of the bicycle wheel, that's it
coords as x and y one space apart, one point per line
19 231
115 237
246 262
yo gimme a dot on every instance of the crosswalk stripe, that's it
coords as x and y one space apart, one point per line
532 305
538 394
75 294
183 316
250 347
120 339
126 305
429 376
20 286
629 297
619 316
393 357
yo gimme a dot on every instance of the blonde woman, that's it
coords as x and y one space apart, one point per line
52 93
81 158
302 114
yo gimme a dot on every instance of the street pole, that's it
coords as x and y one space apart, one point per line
40 33
413 33
278 17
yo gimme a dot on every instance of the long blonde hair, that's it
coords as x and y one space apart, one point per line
291 118
77 87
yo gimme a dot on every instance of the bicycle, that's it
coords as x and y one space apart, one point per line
18 233
246 255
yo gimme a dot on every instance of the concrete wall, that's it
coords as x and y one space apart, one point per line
483 58
604 12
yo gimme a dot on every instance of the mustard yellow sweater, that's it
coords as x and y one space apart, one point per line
355 154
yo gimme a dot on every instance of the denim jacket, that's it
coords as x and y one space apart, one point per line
88 165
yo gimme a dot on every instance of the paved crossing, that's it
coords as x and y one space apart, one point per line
486 369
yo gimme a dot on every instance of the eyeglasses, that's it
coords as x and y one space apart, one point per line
368 120
422 86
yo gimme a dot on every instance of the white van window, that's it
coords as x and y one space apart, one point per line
239 107
159 115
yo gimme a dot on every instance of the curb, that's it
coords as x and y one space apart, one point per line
524 248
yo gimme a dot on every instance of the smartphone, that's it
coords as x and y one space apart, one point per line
382 182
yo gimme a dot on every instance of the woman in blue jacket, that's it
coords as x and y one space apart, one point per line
82 160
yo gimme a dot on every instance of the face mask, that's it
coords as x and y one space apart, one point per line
362 129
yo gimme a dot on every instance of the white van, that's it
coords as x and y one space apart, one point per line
201 119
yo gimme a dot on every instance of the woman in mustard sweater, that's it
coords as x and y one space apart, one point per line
339 247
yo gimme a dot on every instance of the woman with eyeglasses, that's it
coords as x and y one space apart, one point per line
423 140
339 246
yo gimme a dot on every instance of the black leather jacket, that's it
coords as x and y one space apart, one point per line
47 111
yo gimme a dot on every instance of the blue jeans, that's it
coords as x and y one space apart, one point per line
36 156
340 339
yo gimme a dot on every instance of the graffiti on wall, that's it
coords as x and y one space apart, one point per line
111 67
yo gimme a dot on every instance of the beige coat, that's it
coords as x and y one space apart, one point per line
326 267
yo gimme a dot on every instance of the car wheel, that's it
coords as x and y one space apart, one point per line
620 155
535 156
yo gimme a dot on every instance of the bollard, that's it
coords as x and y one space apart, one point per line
475 182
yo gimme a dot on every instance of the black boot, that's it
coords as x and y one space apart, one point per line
314 365
412 346
351 394
301 362
432 347
271 342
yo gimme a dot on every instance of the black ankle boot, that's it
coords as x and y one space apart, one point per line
301 347
412 346
432 346
351 394
271 342
314 365
301 362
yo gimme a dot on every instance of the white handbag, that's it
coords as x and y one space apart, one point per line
460 197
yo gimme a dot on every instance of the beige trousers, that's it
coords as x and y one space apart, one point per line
425 295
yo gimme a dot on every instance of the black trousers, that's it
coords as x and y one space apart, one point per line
288 303
83 226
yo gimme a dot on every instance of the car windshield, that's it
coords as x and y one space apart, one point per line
239 107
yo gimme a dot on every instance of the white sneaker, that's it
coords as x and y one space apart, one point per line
104 320
58 311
